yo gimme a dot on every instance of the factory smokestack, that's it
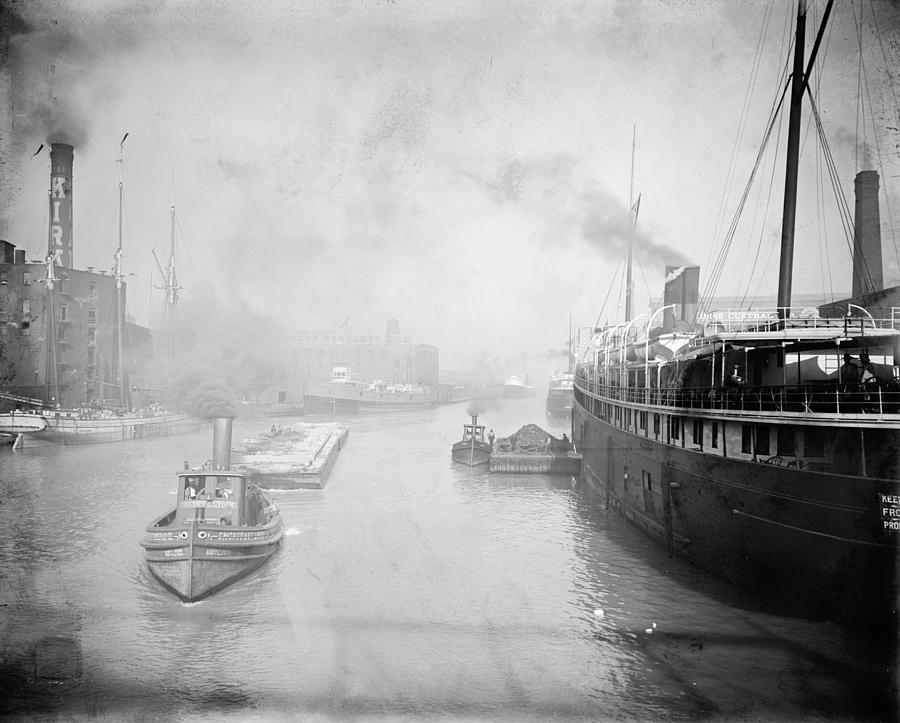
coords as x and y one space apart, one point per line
683 290
60 241
868 275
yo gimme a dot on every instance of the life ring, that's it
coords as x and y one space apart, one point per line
202 534
183 535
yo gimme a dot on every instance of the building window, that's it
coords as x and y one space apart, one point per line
26 307
646 480
715 435
90 356
63 313
92 333
62 335
92 289
625 476
698 432
656 424
92 316
26 278
643 420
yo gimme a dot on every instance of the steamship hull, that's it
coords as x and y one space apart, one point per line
335 400
517 390
811 543
559 402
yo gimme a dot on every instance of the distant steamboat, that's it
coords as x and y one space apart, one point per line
345 395
516 388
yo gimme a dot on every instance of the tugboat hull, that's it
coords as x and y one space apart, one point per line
206 563
476 455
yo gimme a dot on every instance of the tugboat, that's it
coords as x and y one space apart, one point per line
472 449
222 528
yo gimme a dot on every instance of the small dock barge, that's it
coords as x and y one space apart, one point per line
532 450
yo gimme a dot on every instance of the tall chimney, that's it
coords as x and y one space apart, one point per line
683 290
61 157
222 442
868 275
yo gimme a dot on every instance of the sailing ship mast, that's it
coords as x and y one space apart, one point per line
52 376
799 82
171 288
120 301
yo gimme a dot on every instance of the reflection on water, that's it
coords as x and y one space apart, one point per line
407 587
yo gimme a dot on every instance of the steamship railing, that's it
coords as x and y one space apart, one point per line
872 398
765 320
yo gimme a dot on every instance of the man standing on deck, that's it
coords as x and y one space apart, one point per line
849 373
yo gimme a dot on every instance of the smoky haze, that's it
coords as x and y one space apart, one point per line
463 167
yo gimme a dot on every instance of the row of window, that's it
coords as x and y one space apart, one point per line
756 439
63 283
63 312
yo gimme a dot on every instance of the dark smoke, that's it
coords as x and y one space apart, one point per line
233 352
46 61
849 140
210 400
610 228
475 409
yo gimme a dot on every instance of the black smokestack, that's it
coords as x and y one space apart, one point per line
222 442
683 290
868 275
62 156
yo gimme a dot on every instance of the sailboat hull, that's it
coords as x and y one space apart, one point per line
63 429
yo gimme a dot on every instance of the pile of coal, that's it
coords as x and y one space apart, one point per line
531 439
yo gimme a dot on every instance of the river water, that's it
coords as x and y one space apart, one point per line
409 588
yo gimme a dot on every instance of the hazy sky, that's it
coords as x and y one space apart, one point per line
463 167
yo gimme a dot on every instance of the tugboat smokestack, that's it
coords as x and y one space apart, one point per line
222 442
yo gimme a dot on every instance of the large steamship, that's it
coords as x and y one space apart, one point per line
736 440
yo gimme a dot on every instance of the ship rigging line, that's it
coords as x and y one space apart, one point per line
896 107
842 205
719 264
608 292
748 94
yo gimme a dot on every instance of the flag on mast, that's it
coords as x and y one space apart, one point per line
635 209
